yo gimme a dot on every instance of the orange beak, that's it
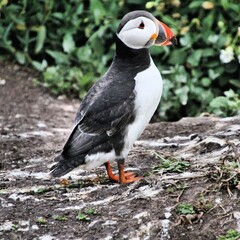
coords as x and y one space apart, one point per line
164 36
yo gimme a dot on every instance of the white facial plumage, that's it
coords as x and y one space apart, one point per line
137 32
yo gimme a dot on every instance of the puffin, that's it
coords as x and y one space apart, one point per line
118 107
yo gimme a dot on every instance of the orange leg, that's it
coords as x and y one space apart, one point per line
111 176
123 177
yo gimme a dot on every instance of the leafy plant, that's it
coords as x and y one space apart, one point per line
85 216
15 227
170 165
231 234
203 204
41 220
200 68
42 190
185 208
82 217
91 211
228 174
60 218
173 188
227 105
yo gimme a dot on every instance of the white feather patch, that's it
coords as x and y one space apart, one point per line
148 91
97 159
135 37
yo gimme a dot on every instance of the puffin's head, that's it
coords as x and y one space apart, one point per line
140 29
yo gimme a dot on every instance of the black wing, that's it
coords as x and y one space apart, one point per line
105 111
107 108
110 110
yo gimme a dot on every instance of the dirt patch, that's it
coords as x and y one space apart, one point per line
190 188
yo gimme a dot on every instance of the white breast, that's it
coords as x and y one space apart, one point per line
148 90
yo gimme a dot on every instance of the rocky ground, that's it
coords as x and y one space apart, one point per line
191 169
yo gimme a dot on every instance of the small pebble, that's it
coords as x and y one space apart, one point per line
2 81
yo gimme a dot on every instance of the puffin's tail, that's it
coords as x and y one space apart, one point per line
72 155
75 150
64 165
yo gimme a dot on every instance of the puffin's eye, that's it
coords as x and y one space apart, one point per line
141 25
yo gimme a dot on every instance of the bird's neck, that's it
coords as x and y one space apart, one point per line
137 57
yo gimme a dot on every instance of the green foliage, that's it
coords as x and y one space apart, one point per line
185 208
227 105
41 190
72 44
14 227
60 218
170 165
194 74
41 220
91 211
232 234
63 39
228 174
203 204
82 217
173 188
85 216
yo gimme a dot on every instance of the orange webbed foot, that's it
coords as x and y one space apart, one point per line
130 179
123 177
